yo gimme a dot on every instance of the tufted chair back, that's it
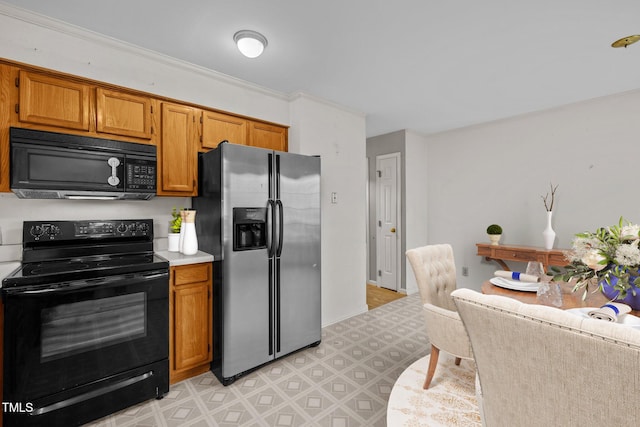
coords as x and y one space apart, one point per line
435 272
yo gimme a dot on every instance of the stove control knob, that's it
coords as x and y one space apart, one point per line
121 228
36 230
53 230
143 227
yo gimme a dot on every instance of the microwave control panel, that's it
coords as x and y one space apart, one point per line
141 175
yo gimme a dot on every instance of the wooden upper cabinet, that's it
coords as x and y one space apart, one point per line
52 101
6 87
178 159
121 113
217 127
267 136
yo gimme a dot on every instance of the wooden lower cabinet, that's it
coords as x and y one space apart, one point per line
190 321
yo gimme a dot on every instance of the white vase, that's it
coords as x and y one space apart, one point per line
190 241
182 229
548 234
173 240
495 238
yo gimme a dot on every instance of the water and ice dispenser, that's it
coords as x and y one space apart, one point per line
249 228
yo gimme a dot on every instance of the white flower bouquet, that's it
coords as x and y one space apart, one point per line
609 256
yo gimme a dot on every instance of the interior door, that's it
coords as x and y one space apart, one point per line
387 221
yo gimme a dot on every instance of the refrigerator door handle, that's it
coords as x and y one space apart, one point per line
277 177
278 327
280 227
271 177
271 228
271 304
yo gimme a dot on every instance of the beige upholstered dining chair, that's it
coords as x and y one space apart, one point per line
542 366
435 272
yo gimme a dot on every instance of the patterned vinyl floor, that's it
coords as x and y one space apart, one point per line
344 382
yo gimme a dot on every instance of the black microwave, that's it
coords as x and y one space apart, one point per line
49 165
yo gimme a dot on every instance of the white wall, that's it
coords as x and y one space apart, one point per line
338 136
416 203
497 173
13 211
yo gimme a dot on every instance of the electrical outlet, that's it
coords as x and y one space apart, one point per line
465 271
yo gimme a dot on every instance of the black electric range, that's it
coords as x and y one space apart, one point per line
85 322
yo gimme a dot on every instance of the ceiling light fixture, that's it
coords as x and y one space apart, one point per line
250 43
626 41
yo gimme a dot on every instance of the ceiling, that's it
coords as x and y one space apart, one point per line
424 65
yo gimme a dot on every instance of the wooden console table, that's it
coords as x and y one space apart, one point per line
502 253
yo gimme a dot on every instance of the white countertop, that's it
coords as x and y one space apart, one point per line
176 258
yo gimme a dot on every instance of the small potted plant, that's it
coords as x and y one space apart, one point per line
174 230
494 231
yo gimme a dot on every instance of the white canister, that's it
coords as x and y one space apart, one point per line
173 242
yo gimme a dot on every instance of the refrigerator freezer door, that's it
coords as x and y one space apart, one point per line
298 294
247 324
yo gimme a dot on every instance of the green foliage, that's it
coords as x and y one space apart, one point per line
494 229
176 220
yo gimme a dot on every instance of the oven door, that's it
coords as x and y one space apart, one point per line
68 335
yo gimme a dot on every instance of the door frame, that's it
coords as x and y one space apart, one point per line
399 229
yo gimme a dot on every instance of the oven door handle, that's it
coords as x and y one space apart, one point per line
80 284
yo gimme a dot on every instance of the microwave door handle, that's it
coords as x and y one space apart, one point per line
113 180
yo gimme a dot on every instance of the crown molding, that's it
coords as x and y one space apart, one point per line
301 94
93 37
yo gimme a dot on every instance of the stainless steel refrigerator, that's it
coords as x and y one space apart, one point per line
258 213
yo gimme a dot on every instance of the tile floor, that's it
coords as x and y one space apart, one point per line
343 382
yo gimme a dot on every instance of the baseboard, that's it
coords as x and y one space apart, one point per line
363 310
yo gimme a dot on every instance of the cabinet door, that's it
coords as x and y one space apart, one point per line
120 113
6 88
267 136
192 325
178 161
217 127
51 101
